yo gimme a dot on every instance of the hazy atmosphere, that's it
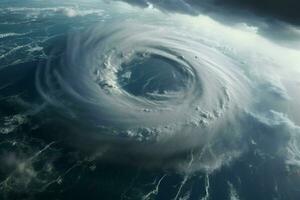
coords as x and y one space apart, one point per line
150 99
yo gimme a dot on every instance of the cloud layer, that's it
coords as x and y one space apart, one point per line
286 10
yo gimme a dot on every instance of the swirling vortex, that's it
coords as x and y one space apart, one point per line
154 86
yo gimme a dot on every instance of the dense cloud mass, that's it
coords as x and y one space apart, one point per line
287 10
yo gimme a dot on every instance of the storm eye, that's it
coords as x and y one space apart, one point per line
152 77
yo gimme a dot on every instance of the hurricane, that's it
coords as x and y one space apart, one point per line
148 100
144 85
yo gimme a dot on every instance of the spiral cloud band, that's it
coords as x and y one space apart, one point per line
144 83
